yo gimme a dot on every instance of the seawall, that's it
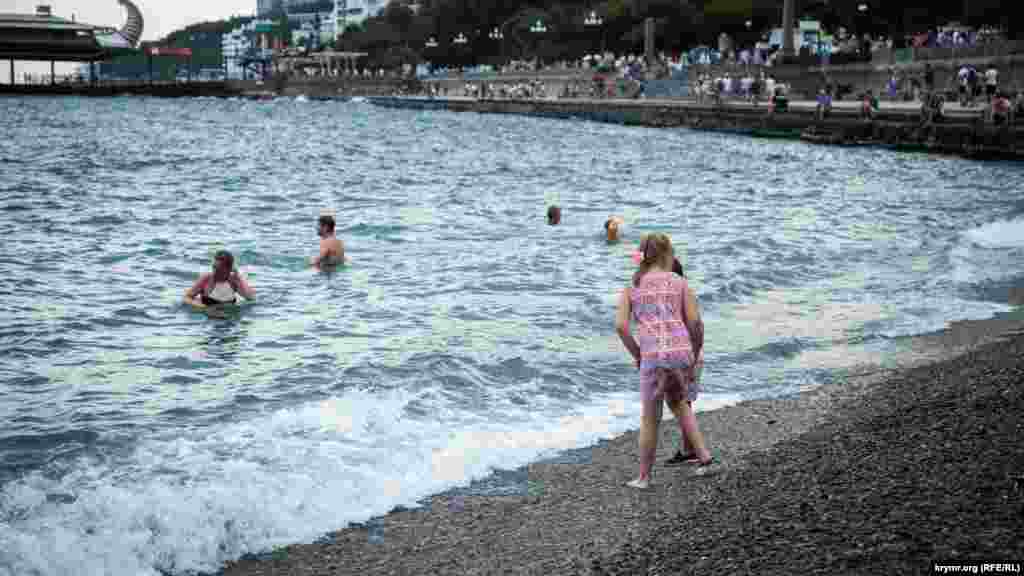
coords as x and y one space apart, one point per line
142 88
322 88
960 132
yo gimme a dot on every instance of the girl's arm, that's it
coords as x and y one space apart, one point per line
197 289
622 326
242 286
694 323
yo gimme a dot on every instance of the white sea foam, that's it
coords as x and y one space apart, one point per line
190 503
990 252
1002 234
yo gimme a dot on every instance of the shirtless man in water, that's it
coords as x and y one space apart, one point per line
612 227
332 250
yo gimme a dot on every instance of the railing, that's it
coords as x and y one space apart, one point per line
922 54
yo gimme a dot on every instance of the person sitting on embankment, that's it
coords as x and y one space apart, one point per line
931 108
780 102
1001 109
824 106
868 105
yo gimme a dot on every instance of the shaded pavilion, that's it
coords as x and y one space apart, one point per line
43 37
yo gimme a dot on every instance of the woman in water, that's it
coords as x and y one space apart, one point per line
668 329
221 286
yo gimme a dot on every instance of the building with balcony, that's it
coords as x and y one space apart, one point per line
266 7
243 44
355 12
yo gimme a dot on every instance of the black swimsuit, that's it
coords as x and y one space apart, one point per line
210 301
207 301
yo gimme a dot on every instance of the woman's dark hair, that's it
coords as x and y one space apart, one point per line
327 222
677 267
229 264
554 214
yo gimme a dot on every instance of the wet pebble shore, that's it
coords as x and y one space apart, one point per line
887 472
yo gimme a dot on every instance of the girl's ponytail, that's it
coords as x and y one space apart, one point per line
654 247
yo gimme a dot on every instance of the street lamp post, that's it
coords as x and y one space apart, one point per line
497 35
538 28
431 44
749 24
594 21
863 24
460 41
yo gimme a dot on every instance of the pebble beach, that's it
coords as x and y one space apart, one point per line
891 471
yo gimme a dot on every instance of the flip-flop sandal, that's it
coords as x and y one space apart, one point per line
680 458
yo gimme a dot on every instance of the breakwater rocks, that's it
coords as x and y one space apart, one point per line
961 133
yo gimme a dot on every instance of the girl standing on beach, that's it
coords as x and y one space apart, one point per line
664 349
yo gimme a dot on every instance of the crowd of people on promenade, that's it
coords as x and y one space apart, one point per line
750 87
657 319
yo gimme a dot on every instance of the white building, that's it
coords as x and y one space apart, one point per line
355 12
313 14
241 43
264 7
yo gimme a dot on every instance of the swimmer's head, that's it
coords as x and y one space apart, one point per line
326 225
554 215
223 264
611 229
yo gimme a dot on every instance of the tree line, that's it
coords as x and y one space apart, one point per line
497 30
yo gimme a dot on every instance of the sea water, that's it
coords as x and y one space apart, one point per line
466 337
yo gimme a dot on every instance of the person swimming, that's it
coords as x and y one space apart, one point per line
221 286
332 250
554 215
612 228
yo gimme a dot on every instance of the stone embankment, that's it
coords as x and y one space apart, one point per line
961 131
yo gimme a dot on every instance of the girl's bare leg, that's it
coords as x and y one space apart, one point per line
688 425
650 418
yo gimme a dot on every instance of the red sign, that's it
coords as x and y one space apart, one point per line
166 51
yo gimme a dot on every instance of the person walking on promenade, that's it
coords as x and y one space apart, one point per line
963 84
893 84
663 351
991 82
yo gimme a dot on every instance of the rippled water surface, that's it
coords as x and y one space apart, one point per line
140 437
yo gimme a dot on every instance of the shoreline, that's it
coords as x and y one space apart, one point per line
576 517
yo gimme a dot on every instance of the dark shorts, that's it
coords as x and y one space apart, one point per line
990 89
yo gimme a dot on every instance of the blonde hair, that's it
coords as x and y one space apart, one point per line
656 248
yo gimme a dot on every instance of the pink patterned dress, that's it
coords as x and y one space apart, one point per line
665 349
